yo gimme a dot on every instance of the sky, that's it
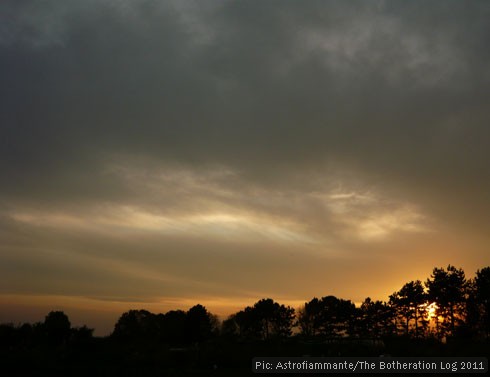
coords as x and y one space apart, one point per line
159 154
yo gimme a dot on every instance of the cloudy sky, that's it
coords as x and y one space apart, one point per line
157 154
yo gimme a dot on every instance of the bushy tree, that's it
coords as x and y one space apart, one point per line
329 316
200 324
136 325
57 327
265 320
173 327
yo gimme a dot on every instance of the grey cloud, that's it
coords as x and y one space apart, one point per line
136 82
382 88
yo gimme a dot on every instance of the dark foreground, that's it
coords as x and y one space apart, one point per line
105 357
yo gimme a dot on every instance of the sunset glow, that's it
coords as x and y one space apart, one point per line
431 310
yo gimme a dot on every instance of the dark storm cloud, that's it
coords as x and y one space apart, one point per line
380 85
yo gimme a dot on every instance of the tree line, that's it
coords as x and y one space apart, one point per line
446 305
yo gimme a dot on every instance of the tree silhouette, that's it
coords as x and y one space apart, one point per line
447 288
173 325
81 335
136 325
482 294
375 319
329 316
283 321
265 320
309 318
7 336
199 324
275 320
230 328
57 327
245 324
410 304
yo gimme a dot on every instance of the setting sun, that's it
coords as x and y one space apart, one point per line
431 310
